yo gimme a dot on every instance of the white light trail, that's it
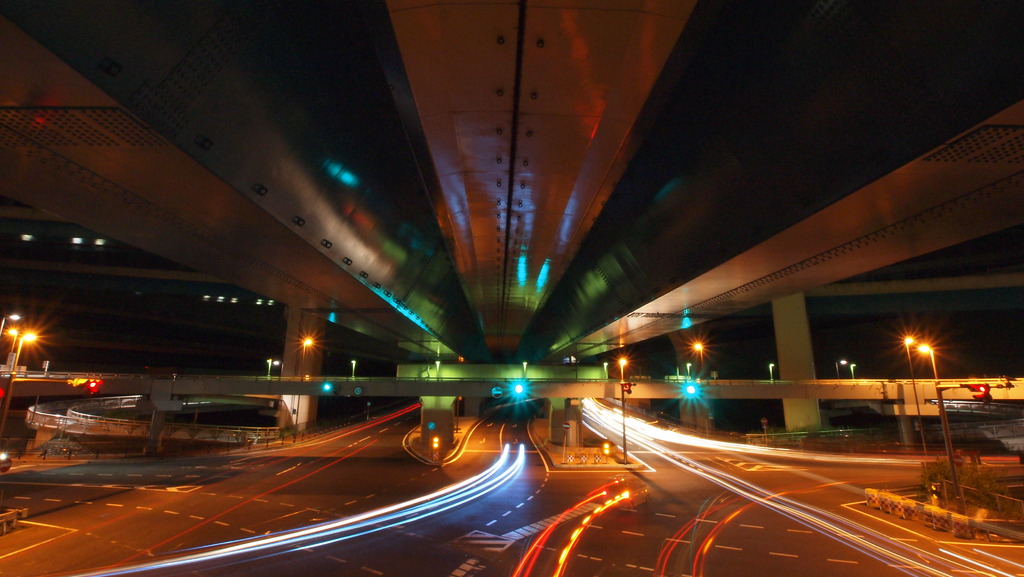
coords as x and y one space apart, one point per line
501 472
872 543
662 434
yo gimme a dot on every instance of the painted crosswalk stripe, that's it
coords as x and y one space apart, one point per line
484 541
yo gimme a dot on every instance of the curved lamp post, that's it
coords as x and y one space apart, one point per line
913 384
699 349
841 362
622 392
3 322
961 503
20 340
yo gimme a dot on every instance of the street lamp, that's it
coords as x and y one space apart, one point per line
10 383
852 365
271 363
962 503
920 421
306 343
771 371
3 321
353 368
843 362
622 392
699 349
688 371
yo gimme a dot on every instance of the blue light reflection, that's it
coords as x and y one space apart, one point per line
499 474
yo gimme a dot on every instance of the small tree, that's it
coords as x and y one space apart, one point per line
981 482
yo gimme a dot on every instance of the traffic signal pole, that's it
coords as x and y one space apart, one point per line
961 503
622 391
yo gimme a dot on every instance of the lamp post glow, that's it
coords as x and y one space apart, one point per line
771 371
353 368
437 370
920 422
622 392
688 377
852 365
10 383
961 503
699 349
271 363
306 343
3 321
842 362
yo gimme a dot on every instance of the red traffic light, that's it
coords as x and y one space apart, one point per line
627 387
982 391
92 386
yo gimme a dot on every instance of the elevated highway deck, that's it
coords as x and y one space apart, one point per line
886 391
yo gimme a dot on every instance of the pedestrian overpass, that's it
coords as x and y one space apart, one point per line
440 387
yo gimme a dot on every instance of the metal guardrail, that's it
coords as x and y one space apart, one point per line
469 379
78 417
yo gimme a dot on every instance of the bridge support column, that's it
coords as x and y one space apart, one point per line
563 412
160 399
437 420
796 358
904 420
297 411
301 360
696 414
156 426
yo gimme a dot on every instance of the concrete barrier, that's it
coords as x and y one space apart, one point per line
910 508
871 497
939 518
896 506
960 526
885 501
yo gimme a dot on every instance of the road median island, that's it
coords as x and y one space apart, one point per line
940 519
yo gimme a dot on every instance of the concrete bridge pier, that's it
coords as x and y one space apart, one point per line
437 421
696 414
563 412
905 418
156 426
301 360
160 402
796 358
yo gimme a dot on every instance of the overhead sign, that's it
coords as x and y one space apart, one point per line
496 392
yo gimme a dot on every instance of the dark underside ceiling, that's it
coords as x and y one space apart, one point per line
500 182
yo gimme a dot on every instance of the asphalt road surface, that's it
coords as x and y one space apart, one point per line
355 502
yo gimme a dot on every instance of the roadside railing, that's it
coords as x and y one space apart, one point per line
79 417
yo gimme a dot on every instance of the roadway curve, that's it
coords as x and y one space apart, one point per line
713 510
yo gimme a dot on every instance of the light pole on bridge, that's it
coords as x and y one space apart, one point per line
913 384
946 438
622 389
9 393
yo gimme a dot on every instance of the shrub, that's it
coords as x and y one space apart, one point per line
979 483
